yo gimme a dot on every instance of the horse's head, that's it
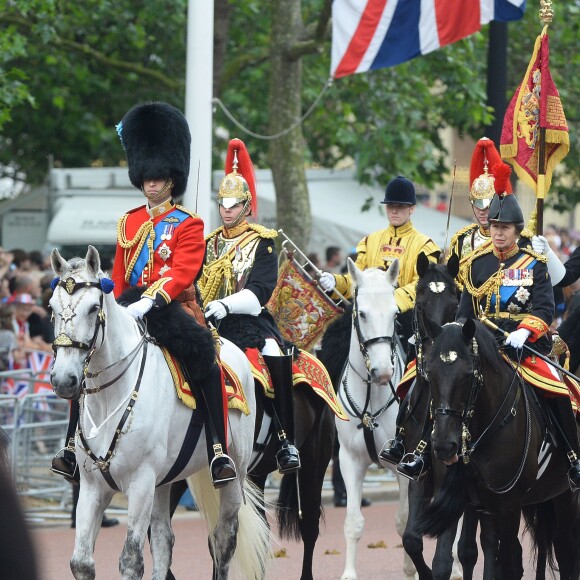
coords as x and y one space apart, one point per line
436 290
374 312
452 366
77 306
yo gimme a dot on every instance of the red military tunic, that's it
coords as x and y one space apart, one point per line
161 248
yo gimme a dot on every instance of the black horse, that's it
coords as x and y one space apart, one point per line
493 433
437 294
299 505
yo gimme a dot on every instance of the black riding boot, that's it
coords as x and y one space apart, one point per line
65 462
394 449
221 466
280 368
564 416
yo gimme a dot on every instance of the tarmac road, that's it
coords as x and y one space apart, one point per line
191 558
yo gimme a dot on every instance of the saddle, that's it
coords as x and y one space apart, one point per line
306 369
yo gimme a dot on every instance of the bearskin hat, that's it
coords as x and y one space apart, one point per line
157 142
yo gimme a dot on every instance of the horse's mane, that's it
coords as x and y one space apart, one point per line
451 338
436 273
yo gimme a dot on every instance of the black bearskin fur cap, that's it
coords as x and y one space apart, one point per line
173 328
157 141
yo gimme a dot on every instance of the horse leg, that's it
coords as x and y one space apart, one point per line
93 499
162 537
225 535
467 547
140 495
443 558
419 499
309 523
488 541
566 534
353 472
401 524
457 568
510 549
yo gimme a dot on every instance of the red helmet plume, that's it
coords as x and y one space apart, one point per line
238 162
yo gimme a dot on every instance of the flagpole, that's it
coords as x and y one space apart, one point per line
546 14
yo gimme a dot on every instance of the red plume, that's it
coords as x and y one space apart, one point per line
484 149
501 172
245 169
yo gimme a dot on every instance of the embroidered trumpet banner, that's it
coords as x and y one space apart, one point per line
536 104
301 311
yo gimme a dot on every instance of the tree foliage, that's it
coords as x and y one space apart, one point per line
69 70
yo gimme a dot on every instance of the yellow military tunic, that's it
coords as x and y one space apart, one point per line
380 248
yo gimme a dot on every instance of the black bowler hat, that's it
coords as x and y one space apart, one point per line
400 190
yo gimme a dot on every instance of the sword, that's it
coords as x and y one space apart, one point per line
493 326
449 209
309 262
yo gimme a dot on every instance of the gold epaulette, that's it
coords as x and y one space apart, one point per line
187 211
262 231
464 230
465 267
538 256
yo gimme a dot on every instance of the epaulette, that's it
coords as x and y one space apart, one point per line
477 253
464 230
264 232
187 211
537 255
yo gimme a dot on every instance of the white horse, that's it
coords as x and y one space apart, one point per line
133 426
366 392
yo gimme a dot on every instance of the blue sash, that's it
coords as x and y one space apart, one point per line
506 292
144 253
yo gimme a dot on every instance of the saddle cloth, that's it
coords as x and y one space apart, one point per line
305 369
533 370
234 389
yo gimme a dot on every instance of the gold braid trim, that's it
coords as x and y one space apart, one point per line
145 232
213 275
157 288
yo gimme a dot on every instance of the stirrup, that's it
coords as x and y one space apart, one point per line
292 462
414 466
65 467
229 469
574 474
392 451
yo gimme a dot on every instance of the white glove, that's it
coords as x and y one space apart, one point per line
141 308
242 302
518 337
540 245
327 281
216 309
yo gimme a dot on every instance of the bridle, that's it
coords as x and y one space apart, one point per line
467 447
64 340
364 342
368 420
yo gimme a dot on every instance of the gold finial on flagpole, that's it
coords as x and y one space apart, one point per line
546 12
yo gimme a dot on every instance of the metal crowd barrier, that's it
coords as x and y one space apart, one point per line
36 425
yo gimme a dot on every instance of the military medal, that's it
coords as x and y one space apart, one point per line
164 234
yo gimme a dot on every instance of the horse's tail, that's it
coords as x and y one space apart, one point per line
253 550
287 508
449 504
541 523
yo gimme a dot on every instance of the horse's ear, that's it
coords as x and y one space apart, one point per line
428 328
453 265
468 329
353 271
393 272
58 263
93 261
422 264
